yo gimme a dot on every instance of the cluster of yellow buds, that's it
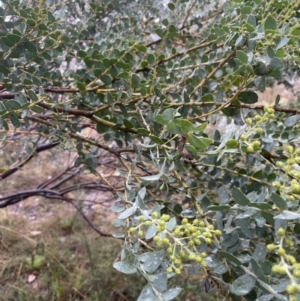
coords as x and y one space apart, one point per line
288 264
255 127
181 242
289 167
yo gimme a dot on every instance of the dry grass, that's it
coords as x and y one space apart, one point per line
59 258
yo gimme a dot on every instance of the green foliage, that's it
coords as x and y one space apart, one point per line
155 78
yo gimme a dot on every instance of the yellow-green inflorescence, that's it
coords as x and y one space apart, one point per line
288 264
290 167
181 243
255 126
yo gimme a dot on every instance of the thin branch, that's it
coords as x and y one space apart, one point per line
39 149
187 15
264 285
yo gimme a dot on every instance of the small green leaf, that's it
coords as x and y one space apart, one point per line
31 22
288 215
30 47
270 24
218 207
239 70
261 68
296 32
13 105
168 114
151 178
151 58
185 125
150 233
128 212
208 98
125 267
279 201
276 63
106 79
242 56
171 6
159 32
248 97
223 195
3 109
14 120
148 294
128 124
155 139
282 42
4 70
11 40
292 120
159 119
257 270
229 257
81 86
141 48
173 128
135 81
201 127
37 109
192 151
150 261
170 225
250 28
243 285
199 143
262 206
231 143
32 95
239 197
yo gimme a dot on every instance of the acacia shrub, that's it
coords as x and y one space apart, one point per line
152 77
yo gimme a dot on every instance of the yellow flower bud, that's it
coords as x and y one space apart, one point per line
256 143
169 250
243 137
271 247
184 221
291 289
248 121
208 241
259 130
280 164
191 243
166 241
148 223
166 217
281 251
154 214
195 222
131 230
281 232
218 232
296 273
290 149
169 270
250 149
